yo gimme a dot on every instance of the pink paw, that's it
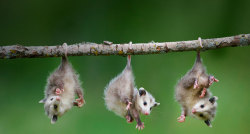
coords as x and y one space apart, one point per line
203 93
80 102
59 91
140 126
181 118
196 86
129 119
128 106
212 79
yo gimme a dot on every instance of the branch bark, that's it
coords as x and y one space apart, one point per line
107 48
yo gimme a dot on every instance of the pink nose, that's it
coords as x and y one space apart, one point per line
193 111
58 98
146 113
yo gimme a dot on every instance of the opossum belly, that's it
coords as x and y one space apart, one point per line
68 95
114 104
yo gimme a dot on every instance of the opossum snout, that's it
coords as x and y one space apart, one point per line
193 111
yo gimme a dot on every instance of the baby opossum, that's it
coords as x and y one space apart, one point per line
62 85
125 100
194 96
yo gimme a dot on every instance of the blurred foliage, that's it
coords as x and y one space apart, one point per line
44 22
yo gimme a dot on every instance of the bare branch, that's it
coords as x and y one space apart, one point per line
18 51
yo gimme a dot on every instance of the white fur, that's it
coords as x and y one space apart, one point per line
118 88
68 96
149 99
122 87
206 111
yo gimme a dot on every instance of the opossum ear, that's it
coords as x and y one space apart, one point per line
142 92
42 101
208 122
156 104
213 99
54 119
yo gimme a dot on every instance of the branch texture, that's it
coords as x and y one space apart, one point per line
107 48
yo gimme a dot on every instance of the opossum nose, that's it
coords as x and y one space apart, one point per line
58 98
146 113
193 111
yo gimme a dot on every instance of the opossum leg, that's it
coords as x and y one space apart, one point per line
80 101
196 86
129 117
212 79
140 125
128 105
127 102
189 81
60 84
183 116
59 91
203 92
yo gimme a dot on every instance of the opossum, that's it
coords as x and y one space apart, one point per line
62 85
194 96
125 100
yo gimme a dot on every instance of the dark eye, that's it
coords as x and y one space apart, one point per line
51 99
201 115
202 106
55 106
145 103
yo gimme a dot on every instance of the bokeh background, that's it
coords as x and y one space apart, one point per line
44 22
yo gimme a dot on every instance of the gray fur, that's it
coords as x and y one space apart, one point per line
64 77
122 90
189 98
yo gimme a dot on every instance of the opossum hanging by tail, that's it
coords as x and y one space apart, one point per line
62 85
124 99
194 96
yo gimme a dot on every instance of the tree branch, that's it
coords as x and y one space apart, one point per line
107 48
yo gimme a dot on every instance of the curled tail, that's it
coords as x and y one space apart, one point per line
64 57
198 62
198 58
129 61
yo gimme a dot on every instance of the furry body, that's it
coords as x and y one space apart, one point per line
62 85
125 100
193 94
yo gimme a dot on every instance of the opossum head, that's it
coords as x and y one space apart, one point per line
145 102
51 107
205 109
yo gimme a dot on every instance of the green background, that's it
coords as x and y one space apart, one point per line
40 22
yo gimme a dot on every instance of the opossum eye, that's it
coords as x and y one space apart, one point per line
51 99
55 106
145 103
201 115
202 106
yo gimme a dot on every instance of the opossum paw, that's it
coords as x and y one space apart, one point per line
140 126
181 118
196 86
128 106
59 91
80 102
129 119
212 79
203 93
